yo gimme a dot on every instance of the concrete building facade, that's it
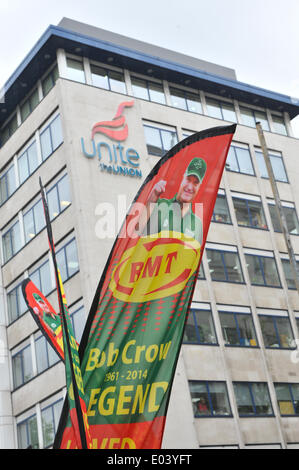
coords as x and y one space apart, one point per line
237 379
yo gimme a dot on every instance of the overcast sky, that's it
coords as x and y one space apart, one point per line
257 38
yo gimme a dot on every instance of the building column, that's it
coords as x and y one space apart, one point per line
7 437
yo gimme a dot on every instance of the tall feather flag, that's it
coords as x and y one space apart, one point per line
132 338
74 382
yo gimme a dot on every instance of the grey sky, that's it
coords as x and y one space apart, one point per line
257 38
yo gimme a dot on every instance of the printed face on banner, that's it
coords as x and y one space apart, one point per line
136 324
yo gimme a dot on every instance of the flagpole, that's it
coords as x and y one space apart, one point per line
63 319
279 208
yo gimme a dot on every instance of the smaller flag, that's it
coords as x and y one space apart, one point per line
74 381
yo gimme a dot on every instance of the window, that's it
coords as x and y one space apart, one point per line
75 70
11 241
238 329
221 110
22 367
67 260
108 79
201 274
287 398
45 354
50 418
59 197
28 433
159 141
209 399
200 327
290 216
16 304
8 130
78 322
288 272
29 105
253 399
224 265
51 137
279 124
249 212
185 100
34 221
239 160
147 90
250 117
277 332
221 211
276 163
7 184
27 162
262 270
49 81
42 278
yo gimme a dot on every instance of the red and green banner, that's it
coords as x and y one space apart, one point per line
131 342
44 315
74 382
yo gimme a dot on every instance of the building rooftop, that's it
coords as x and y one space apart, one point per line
98 44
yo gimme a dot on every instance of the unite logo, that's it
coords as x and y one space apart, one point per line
120 161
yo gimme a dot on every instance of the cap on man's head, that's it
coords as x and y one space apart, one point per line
197 167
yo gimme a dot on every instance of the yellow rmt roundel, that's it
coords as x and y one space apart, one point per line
157 266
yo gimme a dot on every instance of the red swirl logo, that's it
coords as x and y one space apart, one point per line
117 129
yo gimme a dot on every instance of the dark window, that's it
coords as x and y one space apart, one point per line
200 327
277 332
253 399
209 399
221 211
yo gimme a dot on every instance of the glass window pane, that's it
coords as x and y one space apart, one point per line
221 212
17 370
241 211
285 334
233 267
156 93
153 141
292 220
247 117
261 117
22 436
12 304
269 331
228 112
279 125
10 180
139 88
254 270
25 110
117 82
32 157
284 399
243 398
46 144
41 354
169 139
270 272
261 399
47 84
61 262
278 168
78 320
231 161
219 398
261 164
33 433
178 99
53 202
75 70
56 132
257 217
29 227
193 103
16 238
45 278
72 258
64 193
23 167
213 108
34 100
200 327
246 330
99 77
229 329
288 273
216 267
27 364
39 216
48 426
200 399
244 161
7 246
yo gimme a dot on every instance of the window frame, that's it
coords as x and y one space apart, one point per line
192 311
260 257
222 251
160 130
255 415
206 383
247 200
273 318
289 385
236 313
235 146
